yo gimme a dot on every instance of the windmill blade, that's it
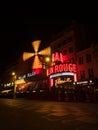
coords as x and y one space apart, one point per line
37 63
27 55
46 51
36 45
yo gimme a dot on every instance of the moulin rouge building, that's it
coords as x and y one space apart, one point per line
61 72
78 48
73 61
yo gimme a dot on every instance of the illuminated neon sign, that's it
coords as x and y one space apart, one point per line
62 74
60 81
27 75
61 68
58 56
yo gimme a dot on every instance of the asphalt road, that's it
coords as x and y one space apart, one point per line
21 114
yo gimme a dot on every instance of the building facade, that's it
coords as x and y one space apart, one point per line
73 66
72 73
77 49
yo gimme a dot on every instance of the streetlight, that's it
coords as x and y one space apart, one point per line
47 59
46 63
14 79
13 73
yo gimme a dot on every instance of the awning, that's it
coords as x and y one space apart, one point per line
6 91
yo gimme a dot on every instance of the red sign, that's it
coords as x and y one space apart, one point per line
57 57
61 68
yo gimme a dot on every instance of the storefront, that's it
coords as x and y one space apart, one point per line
62 76
29 85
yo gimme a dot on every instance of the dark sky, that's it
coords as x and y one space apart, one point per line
19 25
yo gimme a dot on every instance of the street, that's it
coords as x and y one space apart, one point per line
22 114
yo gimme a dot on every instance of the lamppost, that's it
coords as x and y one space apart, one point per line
46 64
47 59
14 79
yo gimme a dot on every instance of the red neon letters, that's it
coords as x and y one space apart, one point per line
61 68
57 57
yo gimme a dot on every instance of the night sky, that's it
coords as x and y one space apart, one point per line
19 26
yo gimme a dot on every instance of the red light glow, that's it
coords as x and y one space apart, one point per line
75 77
57 57
61 68
37 71
51 82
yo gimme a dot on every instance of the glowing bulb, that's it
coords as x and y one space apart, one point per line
47 59
13 73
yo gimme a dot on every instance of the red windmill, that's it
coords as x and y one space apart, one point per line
37 64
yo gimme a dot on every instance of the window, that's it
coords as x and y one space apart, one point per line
80 60
88 58
90 73
70 49
71 60
64 52
82 75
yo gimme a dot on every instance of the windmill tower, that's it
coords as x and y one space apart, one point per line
37 64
